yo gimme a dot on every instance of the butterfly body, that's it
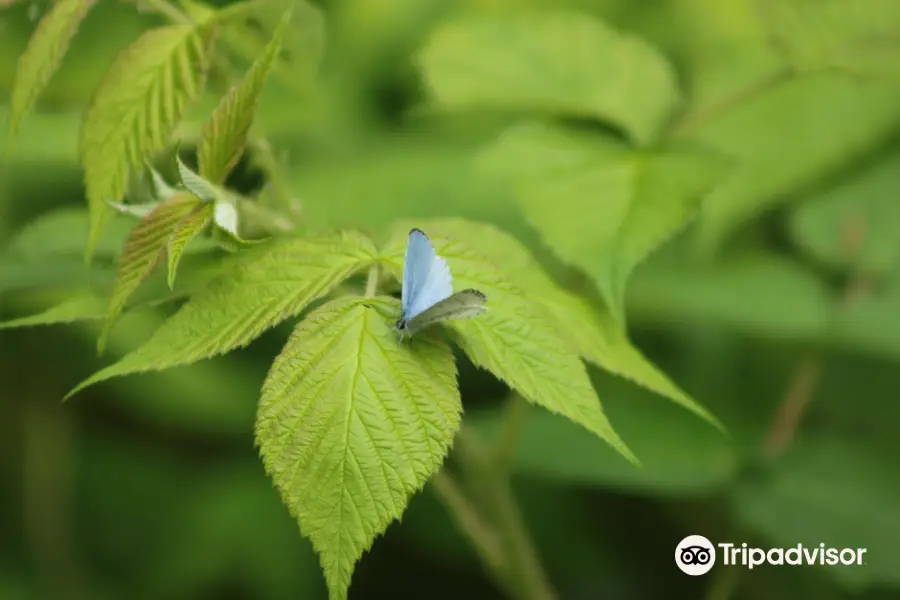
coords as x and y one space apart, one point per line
427 295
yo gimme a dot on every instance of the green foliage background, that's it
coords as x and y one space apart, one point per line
709 195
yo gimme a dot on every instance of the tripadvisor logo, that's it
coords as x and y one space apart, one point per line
696 555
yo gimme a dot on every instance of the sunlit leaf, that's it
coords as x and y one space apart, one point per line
590 331
597 203
351 423
183 233
225 133
45 51
261 288
560 62
141 99
143 249
516 340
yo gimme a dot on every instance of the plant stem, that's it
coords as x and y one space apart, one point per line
480 534
513 419
520 571
799 393
805 380
372 281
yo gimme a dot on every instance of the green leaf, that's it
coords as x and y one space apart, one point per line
141 99
759 294
823 122
45 52
857 36
263 287
225 133
351 423
142 252
561 62
184 232
225 213
854 225
80 307
140 210
515 339
592 333
599 204
837 491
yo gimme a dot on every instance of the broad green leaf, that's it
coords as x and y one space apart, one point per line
351 423
45 51
80 307
814 125
858 36
143 249
591 332
516 340
184 232
263 287
225 133
141 99
560 62
758 294
842 492
855 225
597 203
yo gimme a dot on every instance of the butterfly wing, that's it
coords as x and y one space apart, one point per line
461 305
426 276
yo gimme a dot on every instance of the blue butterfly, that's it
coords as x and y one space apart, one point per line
427 296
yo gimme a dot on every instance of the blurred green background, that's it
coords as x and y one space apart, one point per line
786 290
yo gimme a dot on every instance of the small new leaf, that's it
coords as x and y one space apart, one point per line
225 213
225 133
142 251
600 205
42 56
561 62
263 287
135 210
182 235
351 423
516 340
139 102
